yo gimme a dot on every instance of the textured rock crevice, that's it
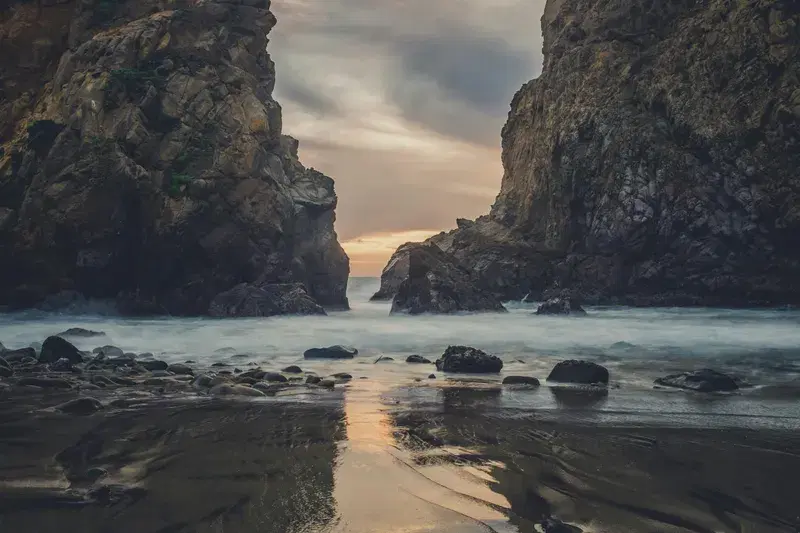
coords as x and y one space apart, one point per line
655 160
145 161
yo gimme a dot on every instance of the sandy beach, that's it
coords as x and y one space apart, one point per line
443 456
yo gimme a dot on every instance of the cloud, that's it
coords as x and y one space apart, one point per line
402 102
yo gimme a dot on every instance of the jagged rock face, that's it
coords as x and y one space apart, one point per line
655 160
659 150
152 168
436 283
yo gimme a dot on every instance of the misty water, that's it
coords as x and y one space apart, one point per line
636 345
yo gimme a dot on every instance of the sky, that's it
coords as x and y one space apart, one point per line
402 103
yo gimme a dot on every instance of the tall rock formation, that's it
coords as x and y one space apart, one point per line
655 161
143 159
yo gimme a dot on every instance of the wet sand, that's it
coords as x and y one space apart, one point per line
370 457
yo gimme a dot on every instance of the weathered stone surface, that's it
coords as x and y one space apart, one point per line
521 380
267 300
653 162
331 352
436 283
468 360
704 380
144 160
560 306
55 348
583 372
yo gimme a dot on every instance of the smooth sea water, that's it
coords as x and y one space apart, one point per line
636 345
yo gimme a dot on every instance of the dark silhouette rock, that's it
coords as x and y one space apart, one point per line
80 332
275 377
55 348
560 306
293 369
267 300
704 380
17 356
154 365
331 352
465 359
436 283
582 372
521 380
417 359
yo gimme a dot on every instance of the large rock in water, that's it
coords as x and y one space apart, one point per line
581 372
436 283
55 348
560 306
704 380
655 159
143 159
468 360
268 300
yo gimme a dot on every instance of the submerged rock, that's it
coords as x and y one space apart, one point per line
80 332
55 348
80 406
704 380
437 283
331 352
266 300
417 359
521 380
582 372
465 359
560 306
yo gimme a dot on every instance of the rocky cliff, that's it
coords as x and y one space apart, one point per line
655 161
143 159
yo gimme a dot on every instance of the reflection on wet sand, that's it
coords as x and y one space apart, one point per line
580 398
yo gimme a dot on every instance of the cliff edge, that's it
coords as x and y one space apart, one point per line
143 160
656 160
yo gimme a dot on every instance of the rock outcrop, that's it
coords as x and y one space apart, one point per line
143 159
654 161
435 282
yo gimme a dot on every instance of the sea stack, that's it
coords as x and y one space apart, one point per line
654 161
143 160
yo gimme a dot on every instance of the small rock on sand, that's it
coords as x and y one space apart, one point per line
235 390
521 380
327 383
80 406
417 359
432 376
313 380
331 352
342 375
293 369
180 368
582 372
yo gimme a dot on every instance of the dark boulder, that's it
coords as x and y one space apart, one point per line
265 300
560 306
313 380
583 372
704 380
154 365
468 360
80 332
17 356
55 348
437 283
80 406
521 380
331 352
293 369
275 377
417 359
